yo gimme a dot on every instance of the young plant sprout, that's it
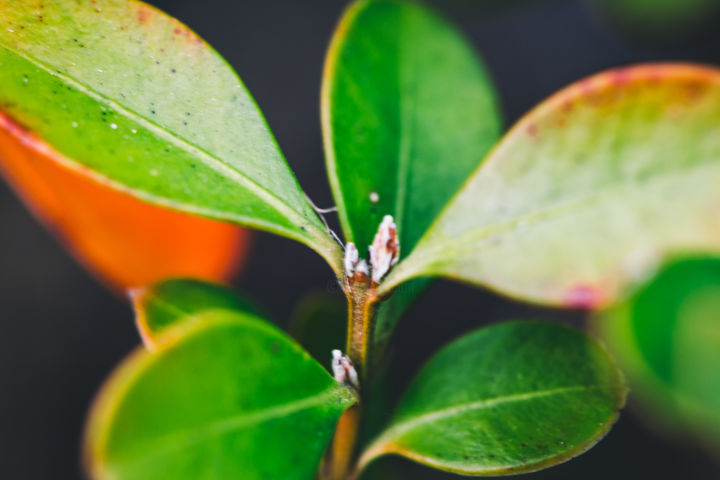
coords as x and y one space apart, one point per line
116 94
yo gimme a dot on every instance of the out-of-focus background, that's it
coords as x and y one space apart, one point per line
61 333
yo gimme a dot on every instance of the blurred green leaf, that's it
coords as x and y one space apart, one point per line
510 398
223 396
588 191
666 337
166 303
121 90
408 112
661 17
319 324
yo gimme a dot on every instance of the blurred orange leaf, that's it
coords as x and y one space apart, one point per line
122 240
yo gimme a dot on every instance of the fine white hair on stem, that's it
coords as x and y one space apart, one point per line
320 213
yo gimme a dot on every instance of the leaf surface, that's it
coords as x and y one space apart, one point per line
510 398
408 112
666 337
167 303
125 242
226 396
135 98
588 191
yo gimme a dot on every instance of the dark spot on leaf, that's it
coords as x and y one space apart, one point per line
153 112
173 70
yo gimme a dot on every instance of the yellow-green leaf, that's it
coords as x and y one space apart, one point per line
587 191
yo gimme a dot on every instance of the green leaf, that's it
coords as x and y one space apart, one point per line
408 112
319 324
167 303
135 98
666 337
511 398
224 396
586 192
659 16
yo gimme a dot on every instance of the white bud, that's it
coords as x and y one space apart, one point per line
351 259
385 249
362 267
343 370
338 370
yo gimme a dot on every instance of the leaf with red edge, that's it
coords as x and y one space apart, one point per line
588 191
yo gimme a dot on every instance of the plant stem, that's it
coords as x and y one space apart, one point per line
361 314
342 449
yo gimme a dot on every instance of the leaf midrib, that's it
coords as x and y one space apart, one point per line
415 422
557 210
184 439
210 160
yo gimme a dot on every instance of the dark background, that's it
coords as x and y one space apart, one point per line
61 333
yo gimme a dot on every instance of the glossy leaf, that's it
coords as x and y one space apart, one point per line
122 240
511 398
587 191
165 304
408 112
226 396
666 337
121 90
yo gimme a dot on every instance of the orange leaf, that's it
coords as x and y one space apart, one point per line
122 240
